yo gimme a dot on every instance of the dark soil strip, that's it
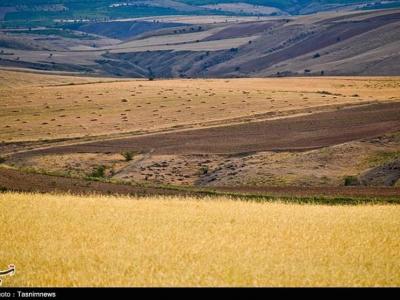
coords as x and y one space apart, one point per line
13 180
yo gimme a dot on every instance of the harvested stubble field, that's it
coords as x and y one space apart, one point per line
286 134
37 106
64 240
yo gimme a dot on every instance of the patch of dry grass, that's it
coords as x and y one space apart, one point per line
35 106
107 241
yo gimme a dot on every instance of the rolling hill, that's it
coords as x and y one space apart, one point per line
334 43
46 12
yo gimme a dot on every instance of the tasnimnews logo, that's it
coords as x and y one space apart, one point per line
9 272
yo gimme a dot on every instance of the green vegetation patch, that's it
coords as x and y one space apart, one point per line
383 157
62 33
98 172
351 181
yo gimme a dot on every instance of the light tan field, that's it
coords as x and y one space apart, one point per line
246 8
166 39
187 41
206 19
57 240
37 106
138 46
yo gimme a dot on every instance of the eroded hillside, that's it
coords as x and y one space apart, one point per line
340 43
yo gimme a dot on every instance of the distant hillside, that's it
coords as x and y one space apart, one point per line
335 43
15 13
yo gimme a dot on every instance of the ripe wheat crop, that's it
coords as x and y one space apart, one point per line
63 240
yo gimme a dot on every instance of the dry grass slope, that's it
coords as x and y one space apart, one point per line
35 106
108 241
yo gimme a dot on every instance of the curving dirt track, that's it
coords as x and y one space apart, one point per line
287 134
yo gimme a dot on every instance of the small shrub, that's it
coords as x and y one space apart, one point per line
128 155
325 93
351 181
98 172
2 159
203 170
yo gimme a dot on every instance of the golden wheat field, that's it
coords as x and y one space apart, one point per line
63 240
41 106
